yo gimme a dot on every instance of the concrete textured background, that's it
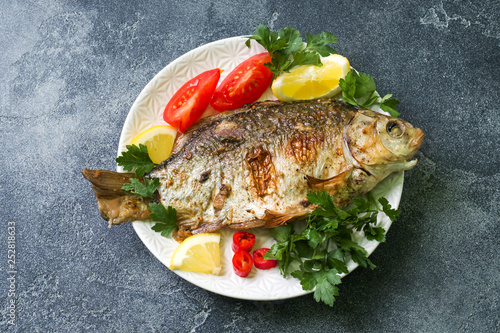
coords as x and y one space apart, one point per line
69 72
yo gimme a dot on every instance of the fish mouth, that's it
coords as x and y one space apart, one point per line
414 146
417 140
408 164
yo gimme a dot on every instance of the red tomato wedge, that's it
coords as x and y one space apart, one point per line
260 262
242 263
245 84
190 101
243 241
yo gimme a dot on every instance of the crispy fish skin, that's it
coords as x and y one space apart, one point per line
254 167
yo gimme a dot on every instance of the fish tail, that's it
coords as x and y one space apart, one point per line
115 204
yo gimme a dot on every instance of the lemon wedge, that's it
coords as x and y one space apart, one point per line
310 82
159 140
199 253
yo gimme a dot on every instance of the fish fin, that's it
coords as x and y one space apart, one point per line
205 227
107 183
330 183
275 219
181 233
256 223
116 205
270 220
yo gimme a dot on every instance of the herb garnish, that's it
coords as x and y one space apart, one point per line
146 190
359 89
138 158
165 218
323 248
287 49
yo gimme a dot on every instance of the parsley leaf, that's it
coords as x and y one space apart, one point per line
292 39
388 105
305 58
388 210
137 187
136 158
319 43
268 39
335 260
326 206
165 218
307 279
365 94
323 279
323 249
313 237
326 288
282 233
374 233
359 89
287 48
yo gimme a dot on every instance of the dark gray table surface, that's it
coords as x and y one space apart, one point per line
70 71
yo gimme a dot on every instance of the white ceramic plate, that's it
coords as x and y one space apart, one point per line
147 111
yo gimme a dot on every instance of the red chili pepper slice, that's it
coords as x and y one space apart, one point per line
243 241
260 262
242 263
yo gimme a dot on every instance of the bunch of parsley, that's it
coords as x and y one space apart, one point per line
324 247
287 49
136 158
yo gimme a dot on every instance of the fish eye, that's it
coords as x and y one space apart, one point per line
395 129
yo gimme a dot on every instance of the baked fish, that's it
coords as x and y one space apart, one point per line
253 167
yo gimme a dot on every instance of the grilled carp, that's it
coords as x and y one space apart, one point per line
253 167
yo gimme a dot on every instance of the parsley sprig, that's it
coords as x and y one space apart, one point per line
166 218
137 158
146 190
359 89
324 247
287 49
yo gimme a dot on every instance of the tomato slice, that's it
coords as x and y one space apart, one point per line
190 101
260 262
243 241
242 263
245 84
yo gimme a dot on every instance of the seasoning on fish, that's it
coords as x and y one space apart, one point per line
253 167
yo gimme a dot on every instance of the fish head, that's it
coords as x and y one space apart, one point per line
381 144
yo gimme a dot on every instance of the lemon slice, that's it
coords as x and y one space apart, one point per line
159 140
199 253
311 82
